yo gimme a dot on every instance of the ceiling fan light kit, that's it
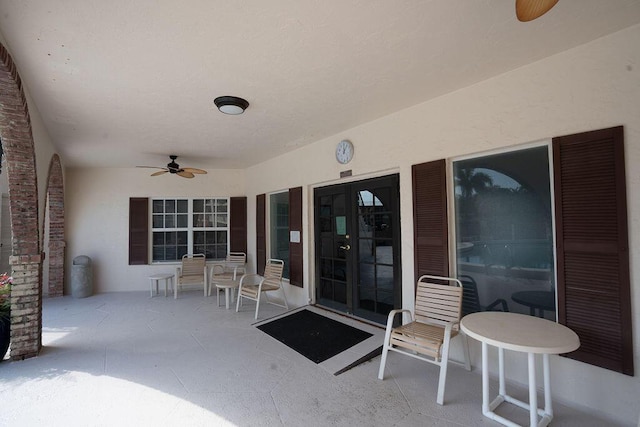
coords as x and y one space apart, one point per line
231 104
528 10
174 168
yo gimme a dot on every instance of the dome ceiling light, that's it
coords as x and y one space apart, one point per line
231 104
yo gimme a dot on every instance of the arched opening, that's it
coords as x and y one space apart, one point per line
26 259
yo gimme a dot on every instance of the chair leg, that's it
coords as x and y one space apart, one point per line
444 363
383 360
385 347
218 295
284 298
257 305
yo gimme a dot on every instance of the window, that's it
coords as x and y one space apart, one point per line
504 232
188 226
279 228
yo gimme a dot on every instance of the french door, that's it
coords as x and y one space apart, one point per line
357 235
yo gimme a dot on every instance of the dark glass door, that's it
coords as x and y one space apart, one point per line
357 228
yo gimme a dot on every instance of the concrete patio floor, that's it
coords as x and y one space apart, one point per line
127 359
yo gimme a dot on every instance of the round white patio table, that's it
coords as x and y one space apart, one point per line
527 334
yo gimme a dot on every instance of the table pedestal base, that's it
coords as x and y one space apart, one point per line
488 408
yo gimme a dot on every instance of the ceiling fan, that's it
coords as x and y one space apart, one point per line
174 168
528 10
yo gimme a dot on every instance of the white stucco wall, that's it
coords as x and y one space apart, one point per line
97 221
590 87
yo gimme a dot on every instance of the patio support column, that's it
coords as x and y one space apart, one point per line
26 306
18 147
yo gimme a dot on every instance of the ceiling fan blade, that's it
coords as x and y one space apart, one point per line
151 167
159 173
528 10
185 174
194 170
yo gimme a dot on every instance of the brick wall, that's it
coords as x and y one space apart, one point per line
26 262
55 195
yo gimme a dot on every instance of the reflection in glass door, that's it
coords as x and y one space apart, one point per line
358 247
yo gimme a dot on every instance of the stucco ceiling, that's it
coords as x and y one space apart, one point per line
121 83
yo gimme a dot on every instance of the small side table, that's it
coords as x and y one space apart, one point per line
229 287
155 279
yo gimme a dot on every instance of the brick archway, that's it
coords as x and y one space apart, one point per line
55 212
26 259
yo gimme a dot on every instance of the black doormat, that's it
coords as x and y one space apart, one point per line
314 336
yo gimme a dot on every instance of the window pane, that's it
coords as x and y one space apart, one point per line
170 206
222 205
182 250
181 237
198 237
158 239
169 221
504 232
183 206
198 205
158 221
158 206
221 251
183 221
221 220
198 220
279 229
171 253
158 253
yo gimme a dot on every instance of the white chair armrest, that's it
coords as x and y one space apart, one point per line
392 315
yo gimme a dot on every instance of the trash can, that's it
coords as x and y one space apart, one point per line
81 277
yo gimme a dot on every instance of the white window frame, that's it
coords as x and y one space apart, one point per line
190 228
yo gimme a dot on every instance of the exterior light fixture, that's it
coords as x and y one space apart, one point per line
231 104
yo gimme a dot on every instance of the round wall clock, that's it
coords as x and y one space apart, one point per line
344 151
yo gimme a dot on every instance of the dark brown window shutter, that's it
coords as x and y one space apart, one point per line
138 230
430 230
261 233
593 252
238 224
295 249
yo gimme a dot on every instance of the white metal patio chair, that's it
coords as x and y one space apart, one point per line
438 309
193 271
252 286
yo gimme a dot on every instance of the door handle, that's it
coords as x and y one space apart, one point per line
346 248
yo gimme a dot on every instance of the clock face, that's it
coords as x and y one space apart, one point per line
344 151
